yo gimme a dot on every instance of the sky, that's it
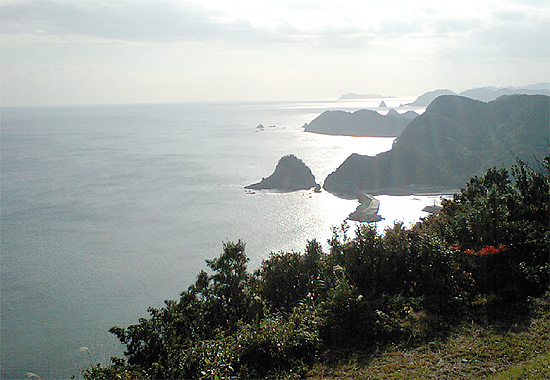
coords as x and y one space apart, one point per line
57 52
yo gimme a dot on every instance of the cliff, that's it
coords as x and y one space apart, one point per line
360 123
290 174
455 139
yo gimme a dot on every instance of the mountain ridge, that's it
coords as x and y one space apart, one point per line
455 139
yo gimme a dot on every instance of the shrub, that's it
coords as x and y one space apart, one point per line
501 223
287 278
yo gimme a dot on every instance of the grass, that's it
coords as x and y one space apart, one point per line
517 349
535 369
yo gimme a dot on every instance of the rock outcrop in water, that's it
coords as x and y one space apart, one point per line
291 174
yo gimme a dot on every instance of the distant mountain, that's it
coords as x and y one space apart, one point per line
536 86
425 99
351 95
290 174
486 94
455 139
360 123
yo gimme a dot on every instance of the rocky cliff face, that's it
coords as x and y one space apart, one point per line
290 174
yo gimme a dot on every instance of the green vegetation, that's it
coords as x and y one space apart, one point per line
480 264
511 349
454 140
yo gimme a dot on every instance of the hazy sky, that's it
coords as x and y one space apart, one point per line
117 51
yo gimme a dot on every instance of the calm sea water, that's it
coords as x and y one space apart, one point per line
107 210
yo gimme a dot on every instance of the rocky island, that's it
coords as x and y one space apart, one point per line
290 174
360 123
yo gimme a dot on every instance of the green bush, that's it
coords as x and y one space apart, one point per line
287 278
500 223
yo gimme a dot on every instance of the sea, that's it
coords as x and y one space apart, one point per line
107 210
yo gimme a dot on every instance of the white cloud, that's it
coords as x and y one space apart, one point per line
170 50
125 20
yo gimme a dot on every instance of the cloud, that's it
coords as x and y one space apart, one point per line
505 34
324 24
123 20
100 21
180 49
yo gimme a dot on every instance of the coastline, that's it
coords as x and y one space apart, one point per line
413 190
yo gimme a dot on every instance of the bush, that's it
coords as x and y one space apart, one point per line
500 223
287 278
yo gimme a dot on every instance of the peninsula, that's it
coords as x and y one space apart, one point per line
360 123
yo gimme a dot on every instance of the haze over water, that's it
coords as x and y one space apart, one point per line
107 210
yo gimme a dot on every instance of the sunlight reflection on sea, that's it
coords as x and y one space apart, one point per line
107 210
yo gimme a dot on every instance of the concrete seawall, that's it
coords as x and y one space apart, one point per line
367 211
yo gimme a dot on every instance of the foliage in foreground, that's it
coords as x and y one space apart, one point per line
512 349
484 254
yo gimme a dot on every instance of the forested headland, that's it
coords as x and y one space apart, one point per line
481 261
454 140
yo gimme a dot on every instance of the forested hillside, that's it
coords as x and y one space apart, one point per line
455 139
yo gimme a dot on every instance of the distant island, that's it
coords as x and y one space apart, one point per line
360 123
455 139
290 174
351 95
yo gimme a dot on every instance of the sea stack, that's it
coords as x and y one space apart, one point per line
291 174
